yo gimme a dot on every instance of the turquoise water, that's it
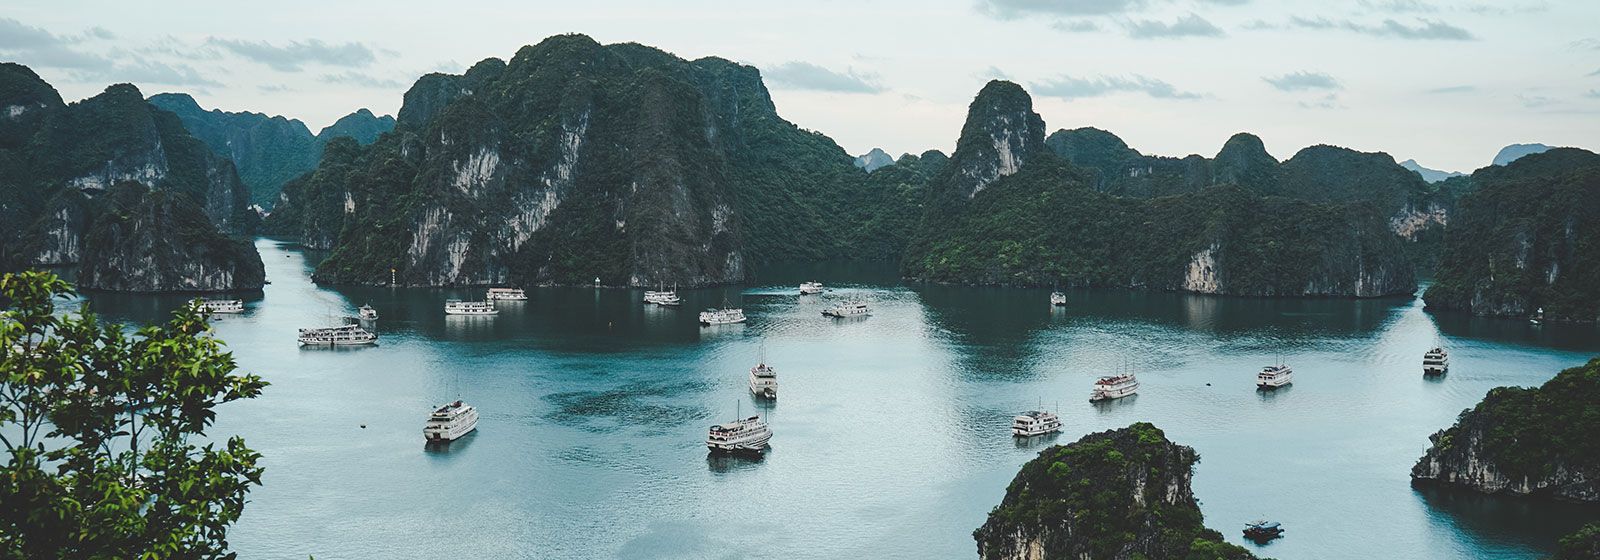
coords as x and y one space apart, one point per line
891 433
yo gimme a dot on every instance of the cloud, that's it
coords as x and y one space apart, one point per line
38 47
1075 26
274 88
1015 9
1225 2
1593 94
292 57
1587 44
1302 81
1399 6
808 76
1329 101
1068 87
993 73
1533 101
1593 74
1187 26
1452 89
358 79
153 72
1426 29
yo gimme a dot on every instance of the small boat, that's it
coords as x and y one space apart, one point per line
1273 377
477 308
745 435
1436 361
1114 387
809 288
724 316
1538 317
764 381
449 422
1262 530
216 306
663 297
1035 423
367 313
505 294
848 309
344 335
1058 299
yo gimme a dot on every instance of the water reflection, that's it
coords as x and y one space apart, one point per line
458 445
725 463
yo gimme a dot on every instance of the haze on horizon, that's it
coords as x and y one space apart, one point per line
1447 83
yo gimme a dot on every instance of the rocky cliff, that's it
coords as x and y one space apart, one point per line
1001 134
1533 442
157 241
1116 495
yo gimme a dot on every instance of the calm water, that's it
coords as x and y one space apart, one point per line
891 433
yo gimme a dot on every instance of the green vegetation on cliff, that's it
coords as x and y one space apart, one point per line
1582 545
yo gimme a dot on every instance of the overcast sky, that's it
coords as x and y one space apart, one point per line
1445 82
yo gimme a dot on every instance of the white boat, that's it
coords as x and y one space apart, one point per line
458 307
1114 387
848 309
215 306
809 288
725 316
1273 377
1538 317
764 381
506 294
450 422
749 435
1058 299
345 335
1436 362
1035 423
662 297
367 313
670 299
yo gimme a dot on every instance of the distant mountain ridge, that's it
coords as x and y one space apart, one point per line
874 160
1514 152
1429 175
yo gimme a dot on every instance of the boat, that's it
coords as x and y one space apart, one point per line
1436 361
1262 530
724 316
1035 423
764 381
344 335
745 435
1114 387
367 313
1273 377
663 296
848 309
458 307
809 288
215 306
506 294
1058 299
1538 317
450 422
670 299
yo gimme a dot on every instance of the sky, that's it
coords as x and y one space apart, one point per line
1445 82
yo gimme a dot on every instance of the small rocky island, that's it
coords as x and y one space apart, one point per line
1524 441
1114 495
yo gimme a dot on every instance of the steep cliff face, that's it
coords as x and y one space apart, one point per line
156 241
1534 442
267 150
1116 495
1001 134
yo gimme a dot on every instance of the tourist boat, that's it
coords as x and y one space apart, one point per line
1273 377
450 422
1262 530
747 435
764 381
479 308
1114 387
506 294
1538 317
1058 299
669 299
215 306
725 316
344 335
662 297
1035 423
1436 362
847 309
809 288
367 313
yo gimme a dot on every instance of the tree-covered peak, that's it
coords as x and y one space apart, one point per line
19 85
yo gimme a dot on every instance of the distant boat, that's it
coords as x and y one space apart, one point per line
1436 361
747 435
1035 423
848 309
1538 317
216 306
1112 387
1058 299
506 294
764 381
664 296
809 288
345 335
1274 376
367 313
724 316
1262 530
450 422
477 308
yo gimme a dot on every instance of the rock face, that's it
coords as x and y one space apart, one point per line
873 160
68 173
1000 135
1526 236
1532 442
1116 495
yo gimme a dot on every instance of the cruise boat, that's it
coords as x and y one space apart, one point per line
725 316
215 306
670 299
1538 317
506 294
367 313
1262 530
748 435
1035 423
458 307
1273 377
450 422
809 288
764 381
1058 299
848 309
345 335
1436 362
1114 387
662 297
